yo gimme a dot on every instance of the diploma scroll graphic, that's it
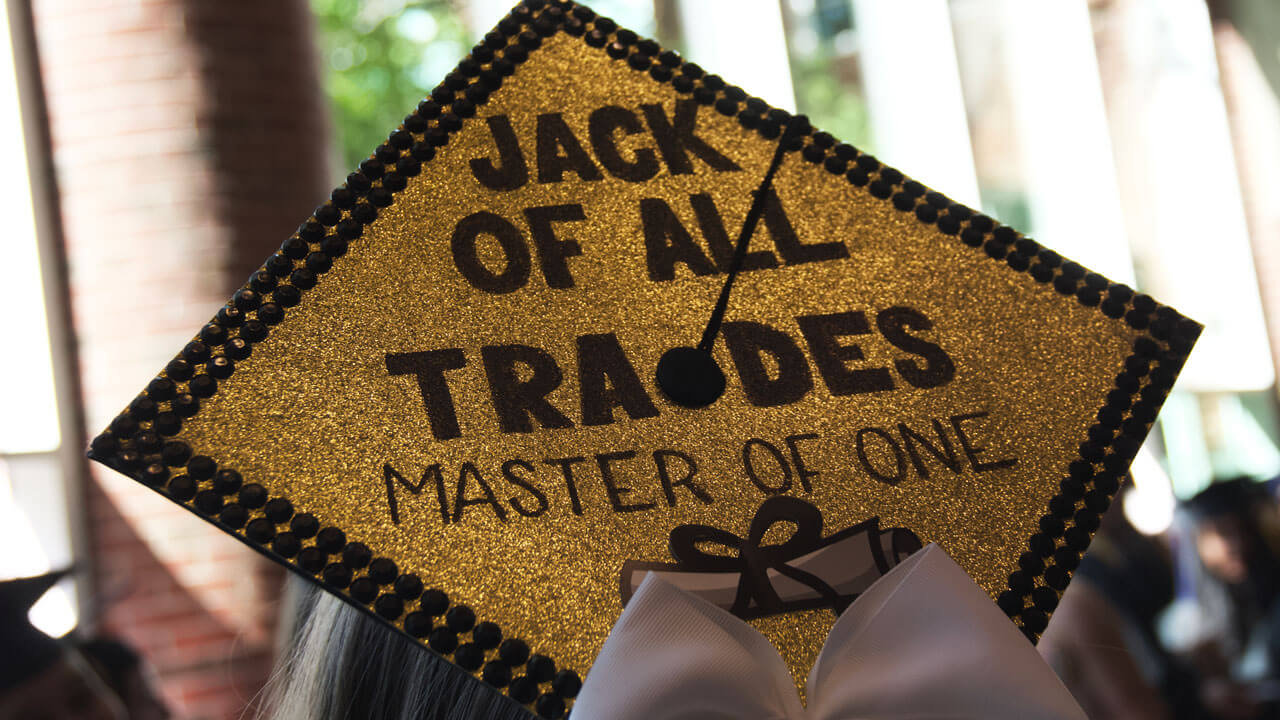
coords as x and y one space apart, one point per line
806 572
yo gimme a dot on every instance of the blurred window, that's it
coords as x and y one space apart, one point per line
36 479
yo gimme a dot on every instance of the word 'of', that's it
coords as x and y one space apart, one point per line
629 481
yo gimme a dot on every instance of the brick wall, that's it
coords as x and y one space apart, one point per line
188 140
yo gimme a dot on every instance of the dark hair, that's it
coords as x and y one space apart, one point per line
1237 496
345 665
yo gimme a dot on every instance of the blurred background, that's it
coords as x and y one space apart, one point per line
159 149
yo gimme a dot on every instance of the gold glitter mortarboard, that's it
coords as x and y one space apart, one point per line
438 398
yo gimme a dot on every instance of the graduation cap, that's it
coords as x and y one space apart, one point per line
27 650
591 312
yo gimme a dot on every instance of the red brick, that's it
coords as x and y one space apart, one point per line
165 209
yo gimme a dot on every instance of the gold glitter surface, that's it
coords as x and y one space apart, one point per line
314 415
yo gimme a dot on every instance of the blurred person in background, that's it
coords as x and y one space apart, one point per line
1103 642
128 675
45 678
42 678
1227 619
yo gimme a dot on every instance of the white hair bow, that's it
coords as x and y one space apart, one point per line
923 642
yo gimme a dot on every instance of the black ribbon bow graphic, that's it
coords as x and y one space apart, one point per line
700 549
754 560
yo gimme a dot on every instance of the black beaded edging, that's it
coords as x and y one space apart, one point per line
138 442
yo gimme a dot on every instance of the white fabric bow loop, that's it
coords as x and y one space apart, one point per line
923 643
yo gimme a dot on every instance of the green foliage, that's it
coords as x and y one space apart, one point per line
378 59
822 42
831 104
